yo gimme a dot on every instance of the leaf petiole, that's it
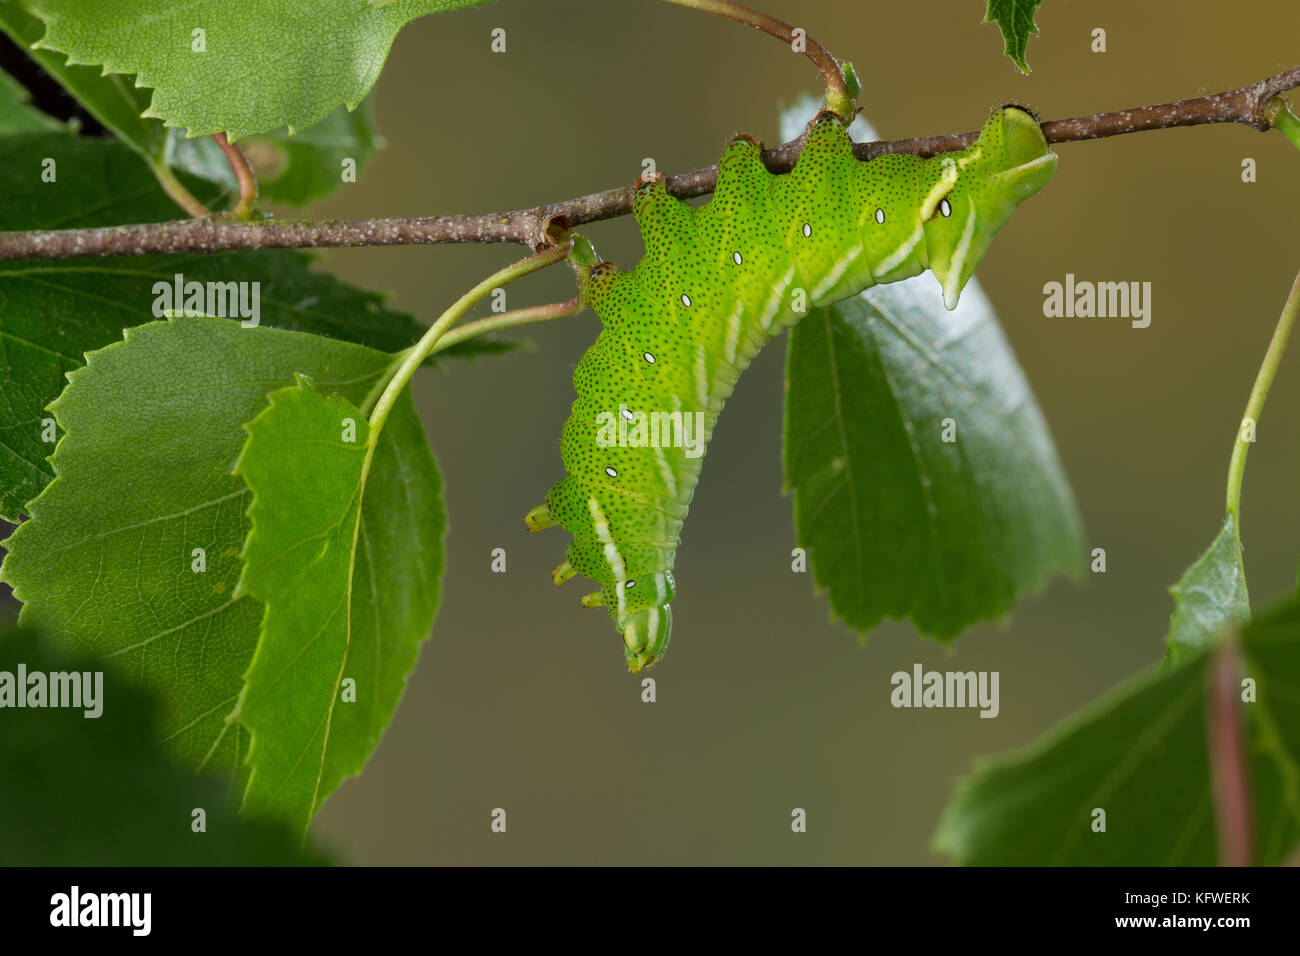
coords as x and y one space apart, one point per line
243 175
1283 119
1258 394
839 99
507 320
174 188
411 359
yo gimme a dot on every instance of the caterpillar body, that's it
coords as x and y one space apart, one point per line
718 282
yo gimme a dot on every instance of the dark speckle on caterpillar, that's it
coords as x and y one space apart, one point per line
718 282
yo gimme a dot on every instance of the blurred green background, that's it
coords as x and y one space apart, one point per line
521 699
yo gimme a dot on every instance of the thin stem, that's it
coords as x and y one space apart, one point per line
1229 761
536 313
1284 121
1258 394
243 175
177 191
838 98
414 357
528 226
506 320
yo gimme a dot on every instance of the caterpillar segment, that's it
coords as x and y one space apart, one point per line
717 282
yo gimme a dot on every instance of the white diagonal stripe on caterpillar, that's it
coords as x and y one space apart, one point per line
774 300
837 272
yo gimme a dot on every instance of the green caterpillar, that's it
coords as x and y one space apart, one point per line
716 283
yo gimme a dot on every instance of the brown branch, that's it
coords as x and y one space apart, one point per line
529 226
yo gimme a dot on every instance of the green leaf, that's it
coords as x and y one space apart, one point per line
263 65
294 169
113 100
1140 754
99 791
16 116
107 561
54 311
1271 648
898 522
346 554
1015 18
1210 596
310 164
307 166
98 182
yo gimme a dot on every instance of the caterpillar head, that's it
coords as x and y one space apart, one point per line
640 608
972 194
